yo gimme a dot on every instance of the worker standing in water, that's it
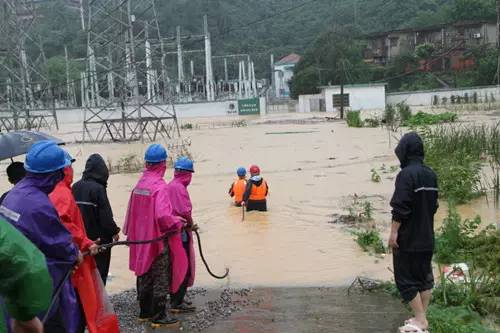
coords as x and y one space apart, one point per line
181 245
256 191
238 187
149 216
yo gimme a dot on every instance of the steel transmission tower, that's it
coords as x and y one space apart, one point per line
125 88
26 99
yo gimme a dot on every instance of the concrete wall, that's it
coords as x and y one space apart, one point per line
193 110
307 103
361 98
428 97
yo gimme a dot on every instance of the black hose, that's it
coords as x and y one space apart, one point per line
221 277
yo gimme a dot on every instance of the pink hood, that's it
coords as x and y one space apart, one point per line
181 205
149 216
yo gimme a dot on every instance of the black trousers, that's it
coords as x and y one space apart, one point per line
178 298
102 261
152 287
412 273
258 205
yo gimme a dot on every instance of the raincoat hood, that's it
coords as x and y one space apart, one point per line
96 169
68 176
155 170
44 182
184 177
410 148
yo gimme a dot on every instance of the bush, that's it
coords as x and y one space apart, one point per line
370 241
371 122
354 119
422 119
454 320
404 112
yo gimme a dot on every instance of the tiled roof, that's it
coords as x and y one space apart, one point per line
290 59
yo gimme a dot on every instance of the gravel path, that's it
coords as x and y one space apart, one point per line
211 306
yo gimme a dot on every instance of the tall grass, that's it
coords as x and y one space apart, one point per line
458 153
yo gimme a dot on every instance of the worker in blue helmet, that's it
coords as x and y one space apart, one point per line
150 215
28 208
181 245
238 187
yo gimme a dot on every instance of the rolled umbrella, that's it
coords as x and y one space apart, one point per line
17 143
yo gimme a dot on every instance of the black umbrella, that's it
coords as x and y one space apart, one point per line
17 143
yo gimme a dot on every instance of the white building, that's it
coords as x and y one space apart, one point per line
283 73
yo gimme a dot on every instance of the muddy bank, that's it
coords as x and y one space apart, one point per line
277 310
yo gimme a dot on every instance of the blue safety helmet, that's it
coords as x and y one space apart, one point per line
155 154
45 157
184 164
241 172
69 157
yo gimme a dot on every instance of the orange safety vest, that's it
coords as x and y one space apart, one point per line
259 193
239 188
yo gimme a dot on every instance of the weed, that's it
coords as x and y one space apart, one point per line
455 320
354 119
127 164
371 122
187 126
422 119
404 112
370 241
375 176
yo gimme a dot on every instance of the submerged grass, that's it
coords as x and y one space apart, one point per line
458 153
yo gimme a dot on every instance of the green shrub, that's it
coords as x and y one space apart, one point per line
404 112
454 320
375 176
371 122
354 119
422 119
370 241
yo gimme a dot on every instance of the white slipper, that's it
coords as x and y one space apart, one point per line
411 328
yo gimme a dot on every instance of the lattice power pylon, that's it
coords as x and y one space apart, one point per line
26 100
125 88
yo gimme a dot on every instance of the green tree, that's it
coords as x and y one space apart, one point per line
466 10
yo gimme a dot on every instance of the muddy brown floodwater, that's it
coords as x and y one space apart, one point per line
311 170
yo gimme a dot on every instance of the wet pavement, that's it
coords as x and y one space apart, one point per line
279 310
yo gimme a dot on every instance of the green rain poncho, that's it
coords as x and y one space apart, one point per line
25 284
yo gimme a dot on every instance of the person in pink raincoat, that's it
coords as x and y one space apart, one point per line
150 216
181 245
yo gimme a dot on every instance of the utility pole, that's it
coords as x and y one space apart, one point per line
180 60
69 91
498 42
208 60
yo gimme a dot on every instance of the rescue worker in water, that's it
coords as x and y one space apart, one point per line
256 191
238 187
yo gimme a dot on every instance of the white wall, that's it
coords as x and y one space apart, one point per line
361 98
283 74
304 104
193 110
425 98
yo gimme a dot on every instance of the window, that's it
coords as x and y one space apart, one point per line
337 100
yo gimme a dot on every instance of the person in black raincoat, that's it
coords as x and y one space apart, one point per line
414 204
92 198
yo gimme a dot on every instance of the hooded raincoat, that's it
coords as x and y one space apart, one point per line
98 313
25 283
28 208
149 216
181 205
92 199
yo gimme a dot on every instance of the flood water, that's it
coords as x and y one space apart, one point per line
312 169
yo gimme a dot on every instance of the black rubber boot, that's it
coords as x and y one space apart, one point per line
184 307
164 320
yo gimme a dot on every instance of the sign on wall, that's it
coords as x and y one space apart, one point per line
249 106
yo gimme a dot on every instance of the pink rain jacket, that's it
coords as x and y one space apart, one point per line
181 206
149 216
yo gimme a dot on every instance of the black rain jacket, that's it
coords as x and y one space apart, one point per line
92 198
415 199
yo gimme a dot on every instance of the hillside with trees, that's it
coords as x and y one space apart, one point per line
328 32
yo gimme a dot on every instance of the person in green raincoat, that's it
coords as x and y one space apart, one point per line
25 283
